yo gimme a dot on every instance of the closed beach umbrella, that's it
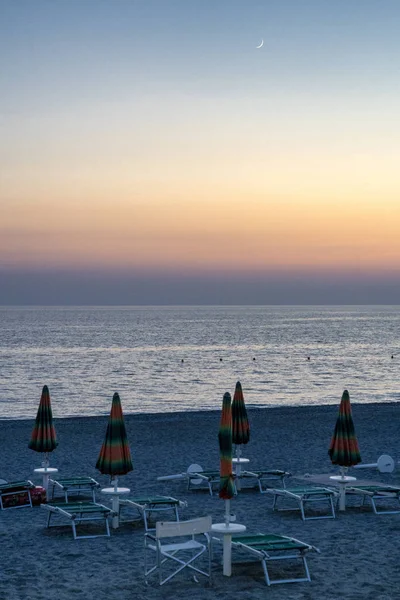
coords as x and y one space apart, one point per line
115 456
43 438
227 488
240 422
343 449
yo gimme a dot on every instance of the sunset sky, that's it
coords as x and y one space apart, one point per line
152 142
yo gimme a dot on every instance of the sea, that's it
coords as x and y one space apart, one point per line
184 358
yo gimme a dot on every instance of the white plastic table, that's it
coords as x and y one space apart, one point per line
238 462
227 531
115 493
342 481
46 472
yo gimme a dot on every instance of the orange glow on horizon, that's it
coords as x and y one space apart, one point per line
238 233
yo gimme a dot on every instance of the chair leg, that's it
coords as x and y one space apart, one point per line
265 569
303 556
332 507
73 528
303 516
209 558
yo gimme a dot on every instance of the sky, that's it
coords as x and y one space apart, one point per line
150 153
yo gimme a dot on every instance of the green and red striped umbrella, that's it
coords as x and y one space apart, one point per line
43 438
343 449
227 488
115 455
240 422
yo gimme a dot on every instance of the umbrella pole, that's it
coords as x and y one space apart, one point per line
115 503
46 462
227 512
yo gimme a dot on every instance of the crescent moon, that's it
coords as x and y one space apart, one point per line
262 44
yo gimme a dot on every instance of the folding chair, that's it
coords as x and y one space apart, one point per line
15 494
74 485
304 496
275 548
376 493
183 549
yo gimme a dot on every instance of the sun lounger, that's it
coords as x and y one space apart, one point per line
203 479
376 493
78 512
263 476
303 496
19 491
196 478
150 506
269 548
74 485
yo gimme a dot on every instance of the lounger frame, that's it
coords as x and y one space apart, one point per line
203 479
305 496
268 548
74 485
16 488
374 494
149 506
76 511
264 476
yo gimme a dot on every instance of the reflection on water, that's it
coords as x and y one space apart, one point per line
169 358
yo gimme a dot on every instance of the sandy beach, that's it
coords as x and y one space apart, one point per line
359 551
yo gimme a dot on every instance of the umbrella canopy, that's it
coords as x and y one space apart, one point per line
227 488
43 438
115 455
343 449
240 422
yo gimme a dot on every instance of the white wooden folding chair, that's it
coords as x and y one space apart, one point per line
178 542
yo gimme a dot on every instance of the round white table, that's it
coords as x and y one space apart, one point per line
115 493
46 472
342 480
227 531
238 463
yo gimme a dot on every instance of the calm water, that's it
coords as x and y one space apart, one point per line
85 354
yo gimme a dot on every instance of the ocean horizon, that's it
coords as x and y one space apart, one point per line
184 358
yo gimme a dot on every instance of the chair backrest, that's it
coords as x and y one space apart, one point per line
176 528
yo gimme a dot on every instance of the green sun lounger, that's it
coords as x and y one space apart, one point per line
78 512
148 507
268 548
17 489
196 478
303 496
265 476
203 479
74 485
375 494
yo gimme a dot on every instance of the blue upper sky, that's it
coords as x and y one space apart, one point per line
130 129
